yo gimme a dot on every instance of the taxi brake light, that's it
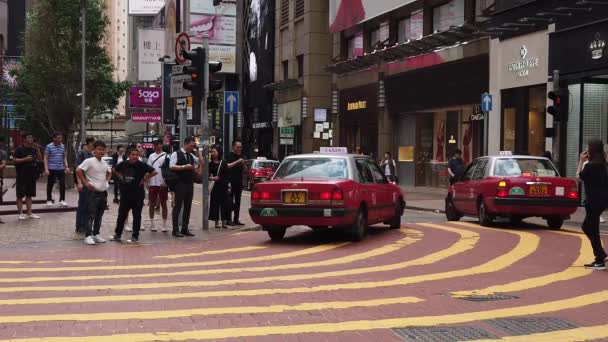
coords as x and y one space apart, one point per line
265 195
255 195
337 195
325 196
573 194
502 193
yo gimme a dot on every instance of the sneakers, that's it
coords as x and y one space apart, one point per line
63 204
33 216
115 238
142 228
99 239
49 203
165 229
89 240
596 265
128 229
132 240
22 217
153 227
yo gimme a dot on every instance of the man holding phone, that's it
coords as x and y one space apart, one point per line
236 164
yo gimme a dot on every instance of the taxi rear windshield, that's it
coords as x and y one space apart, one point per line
524 167
334 168
267 165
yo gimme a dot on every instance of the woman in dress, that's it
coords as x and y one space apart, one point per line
219 175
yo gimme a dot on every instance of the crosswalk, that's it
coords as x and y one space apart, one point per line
247 288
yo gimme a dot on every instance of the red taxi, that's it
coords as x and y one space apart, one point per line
260 170
325 190
514 187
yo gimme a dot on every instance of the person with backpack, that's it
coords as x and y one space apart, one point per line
184 164
157 189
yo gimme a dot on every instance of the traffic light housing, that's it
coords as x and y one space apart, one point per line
195 70
215 85
558 109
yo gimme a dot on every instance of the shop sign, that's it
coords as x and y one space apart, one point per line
287 132
523 67
259 125
477 114
320 114
597 46
356 105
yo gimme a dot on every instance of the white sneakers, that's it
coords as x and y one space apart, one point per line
49 203
22 217
91 240
25 217
128 229
63 204
153 227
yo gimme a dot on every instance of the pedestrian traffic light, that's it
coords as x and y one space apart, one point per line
558 109
195 70
215 85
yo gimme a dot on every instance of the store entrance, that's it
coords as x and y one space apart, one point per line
523 120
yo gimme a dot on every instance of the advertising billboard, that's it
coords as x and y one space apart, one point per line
258 55
145 7
206 7
344 14
145 97
151 45
220 30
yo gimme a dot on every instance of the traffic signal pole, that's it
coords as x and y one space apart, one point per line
205 133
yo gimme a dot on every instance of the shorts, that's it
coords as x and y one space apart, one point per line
26 186
155 192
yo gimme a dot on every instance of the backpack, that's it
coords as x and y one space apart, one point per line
170 177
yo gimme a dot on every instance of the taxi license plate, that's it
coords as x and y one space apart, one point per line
538 190
294 197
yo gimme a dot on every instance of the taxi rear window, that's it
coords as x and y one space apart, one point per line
524 167
267 165
334 168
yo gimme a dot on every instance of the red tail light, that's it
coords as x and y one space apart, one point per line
255 195
265 195
573 194
258 174
502 193
260 195
337 195
325 196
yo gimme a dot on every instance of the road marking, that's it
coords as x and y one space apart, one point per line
213 252
572 272
108 316
412 237
577 334
361 325
85 261
307 251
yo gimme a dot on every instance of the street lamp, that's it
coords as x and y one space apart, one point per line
83 16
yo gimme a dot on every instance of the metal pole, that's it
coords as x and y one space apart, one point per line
205 133
83 119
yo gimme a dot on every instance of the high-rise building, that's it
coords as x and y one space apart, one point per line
117 42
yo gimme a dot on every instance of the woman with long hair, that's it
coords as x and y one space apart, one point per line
220 176
592 170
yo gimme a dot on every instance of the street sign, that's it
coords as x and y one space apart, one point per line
180 103
486 102
182 43
287 132
177 70
286 141
177 87
231 101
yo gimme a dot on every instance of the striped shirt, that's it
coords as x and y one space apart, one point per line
55 154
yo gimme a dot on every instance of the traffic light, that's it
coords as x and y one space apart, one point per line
197 85
216 2
558 109
215 85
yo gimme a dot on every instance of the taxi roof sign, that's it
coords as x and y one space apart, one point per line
333 150
505 153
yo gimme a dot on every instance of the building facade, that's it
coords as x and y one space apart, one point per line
117 43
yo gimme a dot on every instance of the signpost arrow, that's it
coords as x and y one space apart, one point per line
231 101
486 102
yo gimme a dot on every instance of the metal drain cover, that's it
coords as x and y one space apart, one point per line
531 325
443 334
487 298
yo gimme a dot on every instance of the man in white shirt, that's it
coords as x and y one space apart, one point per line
93 177
157 189
185 164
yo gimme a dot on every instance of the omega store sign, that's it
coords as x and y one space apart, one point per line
524 60
586 53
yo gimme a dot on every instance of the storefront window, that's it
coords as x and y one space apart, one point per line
508 142
355 46
450 14
523 120
410 28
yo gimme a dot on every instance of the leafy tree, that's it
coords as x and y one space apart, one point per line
50 74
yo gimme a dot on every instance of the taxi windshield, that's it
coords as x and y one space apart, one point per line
267 165
524 167
334 168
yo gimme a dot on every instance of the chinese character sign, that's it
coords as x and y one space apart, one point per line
151 47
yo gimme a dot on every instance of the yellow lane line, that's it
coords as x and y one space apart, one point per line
361 325
212 252
570 335
307 251
85 261
572 272
110 316
527 245
412 237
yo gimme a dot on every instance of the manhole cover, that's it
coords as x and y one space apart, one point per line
443 334
487 298
531 325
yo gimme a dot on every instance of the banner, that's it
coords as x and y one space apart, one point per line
344 14
151 45
142 97
145 7
206 7
146 117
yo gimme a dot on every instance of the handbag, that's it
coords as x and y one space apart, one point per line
212 183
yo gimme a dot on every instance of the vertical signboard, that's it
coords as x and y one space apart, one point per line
151 47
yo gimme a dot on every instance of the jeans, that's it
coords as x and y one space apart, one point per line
184 192
55 175
81 211
237 191
591 227
96 205
132 200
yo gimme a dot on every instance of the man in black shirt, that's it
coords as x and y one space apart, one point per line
26 159
131 176
184 164
236 164
456 166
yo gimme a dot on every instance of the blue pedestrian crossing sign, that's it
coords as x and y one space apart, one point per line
231 102
486 102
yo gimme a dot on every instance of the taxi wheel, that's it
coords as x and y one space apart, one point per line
482 213
555 223
359 228
276 234
450 211
395 222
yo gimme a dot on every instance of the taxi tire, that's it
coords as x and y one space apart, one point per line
451 213
395 222
359 228
555 223
276 234
482 214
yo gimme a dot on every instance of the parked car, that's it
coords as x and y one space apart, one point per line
259 170
514 187
326 190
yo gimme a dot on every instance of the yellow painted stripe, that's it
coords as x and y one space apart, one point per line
412 237
572 272
526 246
85 261
361 325
110 316
570 335
307 251
213 252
